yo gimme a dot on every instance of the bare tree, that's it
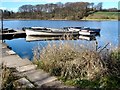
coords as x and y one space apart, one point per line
99 6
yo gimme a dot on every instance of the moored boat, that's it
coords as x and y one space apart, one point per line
87 33
84 30
73 31
73 28
96 30
87 38
38 31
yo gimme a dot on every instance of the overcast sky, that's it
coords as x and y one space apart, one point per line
15 4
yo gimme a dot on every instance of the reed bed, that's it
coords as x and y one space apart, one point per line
76 62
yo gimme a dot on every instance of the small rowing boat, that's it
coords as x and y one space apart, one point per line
42 31
84 30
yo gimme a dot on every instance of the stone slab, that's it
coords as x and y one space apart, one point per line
53 84
11 52
0 77
4 54
36 75
0 50
45 80
26 68
25 83
39 77
15 61
58 85
0 41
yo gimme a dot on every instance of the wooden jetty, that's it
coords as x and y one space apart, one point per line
11 35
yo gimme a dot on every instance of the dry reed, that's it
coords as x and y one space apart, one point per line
73 61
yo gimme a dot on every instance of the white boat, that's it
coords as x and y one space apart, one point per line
84 30
87 33
87 38
38 31
74 28
95 30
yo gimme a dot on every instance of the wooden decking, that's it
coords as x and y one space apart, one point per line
11 35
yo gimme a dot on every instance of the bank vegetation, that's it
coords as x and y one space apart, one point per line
59 11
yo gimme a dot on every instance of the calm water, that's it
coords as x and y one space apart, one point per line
109 33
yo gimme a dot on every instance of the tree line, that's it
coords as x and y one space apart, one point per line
67 11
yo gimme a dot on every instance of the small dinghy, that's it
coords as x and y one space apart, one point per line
42 31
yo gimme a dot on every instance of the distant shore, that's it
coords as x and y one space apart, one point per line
69 20
100 19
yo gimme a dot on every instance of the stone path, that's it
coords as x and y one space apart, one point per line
31 76
0 77
39 77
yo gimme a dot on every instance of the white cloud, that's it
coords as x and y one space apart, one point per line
3 8
13 9
10 9
48 1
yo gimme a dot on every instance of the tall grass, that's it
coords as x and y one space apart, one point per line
75 61
8 78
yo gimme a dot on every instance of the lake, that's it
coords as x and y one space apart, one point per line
108 34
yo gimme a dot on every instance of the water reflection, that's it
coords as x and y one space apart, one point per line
35 38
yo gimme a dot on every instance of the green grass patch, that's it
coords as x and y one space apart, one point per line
104 15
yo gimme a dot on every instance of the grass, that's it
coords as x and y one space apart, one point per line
8 78
82 66
103 16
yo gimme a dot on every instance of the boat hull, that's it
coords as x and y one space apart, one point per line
87 33
87 38
49 33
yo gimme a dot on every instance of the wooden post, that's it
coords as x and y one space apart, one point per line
1 16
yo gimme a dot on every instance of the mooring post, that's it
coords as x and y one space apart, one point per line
1 16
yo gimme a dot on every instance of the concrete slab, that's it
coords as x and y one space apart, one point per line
15 61
45 80
11 52
0 50
53 84
26 68
36 75
0 79
39 77
4 54
0 61
4 45
58 85
0 41
0 53
24 83
0 74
